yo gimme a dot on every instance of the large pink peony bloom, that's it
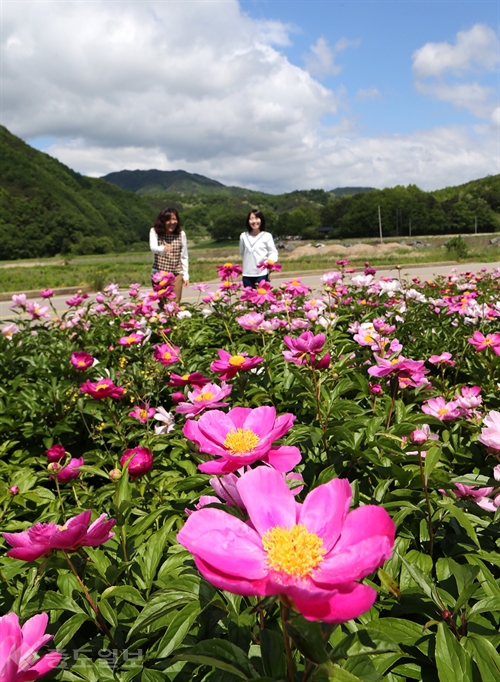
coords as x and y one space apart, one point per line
438 407
71 470
480 342
311 553
207 397
56 453
303 350
229 365
19 647
490 433
104 388
42 538
139 461
241 437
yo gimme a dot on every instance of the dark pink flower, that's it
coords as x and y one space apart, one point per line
104 388
312 554
139 461
229 270
46 293
133 339
480 342
192 379
71 470
229 365
303 350
43 538
241 437
14 489
269 265
56 453
81 360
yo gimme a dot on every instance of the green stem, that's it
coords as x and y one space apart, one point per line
59 495
286 638
100 620
428 502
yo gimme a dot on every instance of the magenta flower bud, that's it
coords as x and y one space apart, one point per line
178 397
419 436
376 389
56 453
138 460
14 489
115 474
71 470
46 293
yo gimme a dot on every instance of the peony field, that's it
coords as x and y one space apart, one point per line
272 484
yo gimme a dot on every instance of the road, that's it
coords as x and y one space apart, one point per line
190 295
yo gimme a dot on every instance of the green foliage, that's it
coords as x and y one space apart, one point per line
457 247
47 209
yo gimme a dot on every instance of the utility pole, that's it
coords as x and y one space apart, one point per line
475 224
380 225
409 229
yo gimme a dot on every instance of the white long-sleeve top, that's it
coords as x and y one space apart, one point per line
254 250
160 248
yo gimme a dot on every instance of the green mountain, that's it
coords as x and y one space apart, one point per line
156 181
342 191
46 208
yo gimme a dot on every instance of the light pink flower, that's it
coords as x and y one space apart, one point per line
443 359
36 311
42 538
81 360
8 330
438 407
204 398
490 433
142 412
19 647
250 321
422 435
313 553
241 437
331 278
132 339
409 372
19 301
469 398
104 388
166 353
295 287
229 365
139 461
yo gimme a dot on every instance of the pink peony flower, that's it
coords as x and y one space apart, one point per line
81 360
71 470
8 330
480 342
250 321
443 359
469 398
331 278
19 647
203 398
311 553
14 489
438 407
229 365
142 412
269 265
193 379
490 433
139 461
294 287
229 270
241 437
43 538
56 453
104 388
303 350
262 294
409 372
422 435
166 353
132 339
46 293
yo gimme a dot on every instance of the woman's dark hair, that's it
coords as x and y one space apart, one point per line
257 214
163 216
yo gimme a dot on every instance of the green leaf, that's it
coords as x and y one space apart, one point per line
68 629
431 459
273 654
178 629
54 601
221 655
308 638
153 552
418 576
486 657
453 663
125 592
464 521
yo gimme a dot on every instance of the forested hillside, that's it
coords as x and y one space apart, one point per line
47 209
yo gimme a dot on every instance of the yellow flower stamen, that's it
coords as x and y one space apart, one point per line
295 552
207 395
237 360
262 291
185 377
240 441
167 355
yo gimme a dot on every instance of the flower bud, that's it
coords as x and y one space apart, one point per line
115 474
14 489
54 467
446 615
56 453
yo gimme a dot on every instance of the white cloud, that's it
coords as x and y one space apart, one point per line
474 49
440 70
368 94
321 59
203 87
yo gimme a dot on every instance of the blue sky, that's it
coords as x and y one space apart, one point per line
268 94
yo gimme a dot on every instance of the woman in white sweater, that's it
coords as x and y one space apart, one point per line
256 246
168 244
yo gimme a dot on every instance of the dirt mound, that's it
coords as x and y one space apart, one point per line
337 250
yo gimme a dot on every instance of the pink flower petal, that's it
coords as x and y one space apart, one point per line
353 563
350 602
365 522
224 542
284 458
230 583
325 509
267 499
